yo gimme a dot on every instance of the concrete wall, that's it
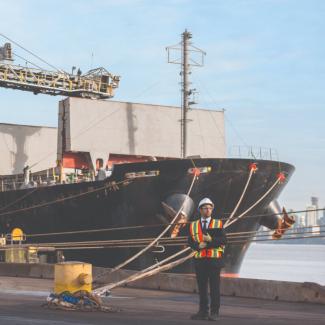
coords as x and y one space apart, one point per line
103 127
236 287
22 145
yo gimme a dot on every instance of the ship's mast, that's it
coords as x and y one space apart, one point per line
185 92
186 62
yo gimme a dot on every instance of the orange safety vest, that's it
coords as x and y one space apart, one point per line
197 236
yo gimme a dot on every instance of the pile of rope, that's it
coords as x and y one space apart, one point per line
80 300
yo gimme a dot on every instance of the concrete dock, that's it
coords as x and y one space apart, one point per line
21 300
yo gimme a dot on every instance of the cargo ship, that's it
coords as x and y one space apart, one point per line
121 178
98 205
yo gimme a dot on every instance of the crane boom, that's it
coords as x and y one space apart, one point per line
96 83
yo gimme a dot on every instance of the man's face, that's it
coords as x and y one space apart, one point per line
206 210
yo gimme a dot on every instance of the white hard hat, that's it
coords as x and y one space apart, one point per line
205 201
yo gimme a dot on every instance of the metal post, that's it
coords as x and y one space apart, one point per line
185 48
185 71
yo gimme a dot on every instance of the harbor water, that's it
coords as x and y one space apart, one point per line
286 262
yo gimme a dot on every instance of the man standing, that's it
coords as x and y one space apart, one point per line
207 238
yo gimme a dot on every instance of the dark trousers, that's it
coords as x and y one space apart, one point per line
208 273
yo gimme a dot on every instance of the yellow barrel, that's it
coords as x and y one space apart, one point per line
72 277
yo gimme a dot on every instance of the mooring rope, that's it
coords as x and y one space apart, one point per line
156 268
181 241
251 172
256 203
152 267
132 258
146 226
141 275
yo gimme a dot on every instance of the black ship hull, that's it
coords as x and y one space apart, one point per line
98 205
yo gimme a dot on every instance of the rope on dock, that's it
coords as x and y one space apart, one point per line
81 300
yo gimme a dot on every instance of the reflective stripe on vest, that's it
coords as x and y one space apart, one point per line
197 236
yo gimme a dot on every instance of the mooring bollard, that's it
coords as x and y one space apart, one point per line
72 277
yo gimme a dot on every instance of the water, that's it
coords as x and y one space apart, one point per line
297 263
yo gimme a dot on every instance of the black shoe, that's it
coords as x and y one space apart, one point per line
200 316
214 316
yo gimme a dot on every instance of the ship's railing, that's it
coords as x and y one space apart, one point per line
9 238
253 152
46 177
11 182
16 182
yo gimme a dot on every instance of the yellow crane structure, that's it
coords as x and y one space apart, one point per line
96 83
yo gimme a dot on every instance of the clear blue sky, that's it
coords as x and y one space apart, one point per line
265 65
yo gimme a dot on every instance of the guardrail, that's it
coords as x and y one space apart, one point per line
253 152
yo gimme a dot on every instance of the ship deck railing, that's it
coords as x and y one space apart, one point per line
42 178
253 152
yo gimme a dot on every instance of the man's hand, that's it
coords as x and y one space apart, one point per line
203 245
207 238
